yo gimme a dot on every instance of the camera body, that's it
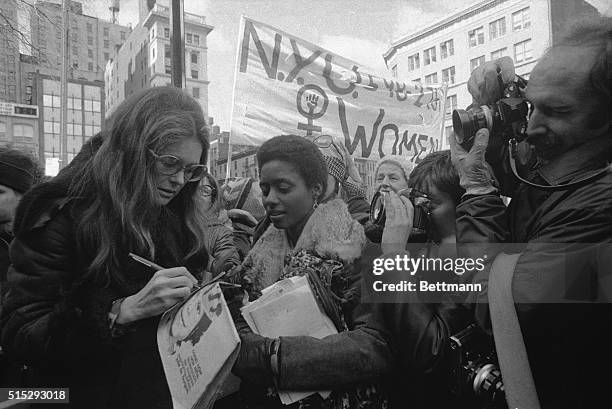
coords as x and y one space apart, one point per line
506 117
475 375
422 209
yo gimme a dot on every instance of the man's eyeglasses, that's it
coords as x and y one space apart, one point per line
171 165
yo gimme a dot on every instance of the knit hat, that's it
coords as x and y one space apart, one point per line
404 164
242 193
17 170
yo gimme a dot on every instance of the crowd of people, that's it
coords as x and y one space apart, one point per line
76 310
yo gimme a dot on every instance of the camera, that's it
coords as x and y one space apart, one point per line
422 208
506 116
476 378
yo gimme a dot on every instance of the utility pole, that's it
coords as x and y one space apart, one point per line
64 87
177 40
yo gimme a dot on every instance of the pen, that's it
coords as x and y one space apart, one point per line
146 262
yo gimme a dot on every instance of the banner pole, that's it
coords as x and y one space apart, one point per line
229 141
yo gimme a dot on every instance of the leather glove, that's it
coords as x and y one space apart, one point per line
483 84
475 174
253 363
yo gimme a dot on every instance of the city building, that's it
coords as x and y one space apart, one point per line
19 126
144 59
447 51
85 113
243 162
31 66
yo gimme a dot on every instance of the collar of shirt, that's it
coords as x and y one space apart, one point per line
583 159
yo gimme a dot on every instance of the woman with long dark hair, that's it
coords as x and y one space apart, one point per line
80 312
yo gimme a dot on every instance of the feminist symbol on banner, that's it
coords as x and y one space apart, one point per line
313 95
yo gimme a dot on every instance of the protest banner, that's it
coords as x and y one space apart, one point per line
286 85
198 345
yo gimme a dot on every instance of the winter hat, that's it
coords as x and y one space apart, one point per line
17 170
242 193
404 164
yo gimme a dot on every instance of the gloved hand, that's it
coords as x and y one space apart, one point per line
253 363
483 84
475 174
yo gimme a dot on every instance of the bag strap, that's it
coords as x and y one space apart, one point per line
509 343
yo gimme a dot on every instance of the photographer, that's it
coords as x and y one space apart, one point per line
570 131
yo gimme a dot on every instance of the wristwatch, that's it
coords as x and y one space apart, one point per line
117 330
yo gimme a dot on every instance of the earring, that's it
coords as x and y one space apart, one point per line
316 203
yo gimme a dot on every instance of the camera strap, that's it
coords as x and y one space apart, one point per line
509 343
565 186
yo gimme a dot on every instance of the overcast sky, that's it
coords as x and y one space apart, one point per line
358 29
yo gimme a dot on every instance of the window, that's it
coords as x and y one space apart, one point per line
105 31
188 38
413 62
196 39
75 50
89 28
3 132
167 51
106 43
431 79
122 34
429 56
476 36
447 49
497 28
89 40
152 33
521 19
448 75
451 104
476 62
194 74
394 71
522 51
152 53
90 66
166 32
90 53
75 37
194 58
499 53
23 133
196 92
106 57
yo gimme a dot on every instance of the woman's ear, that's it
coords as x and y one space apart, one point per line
317 191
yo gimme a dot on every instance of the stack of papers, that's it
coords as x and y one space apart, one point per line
289 308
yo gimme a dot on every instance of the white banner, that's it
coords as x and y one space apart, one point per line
285 85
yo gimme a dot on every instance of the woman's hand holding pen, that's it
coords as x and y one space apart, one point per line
167 287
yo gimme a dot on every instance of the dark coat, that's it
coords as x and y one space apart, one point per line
402 345
55 319
567 344
219 242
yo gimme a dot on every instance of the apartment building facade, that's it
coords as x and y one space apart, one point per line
144 60
449 50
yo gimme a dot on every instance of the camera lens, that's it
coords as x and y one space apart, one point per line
377 209
462 125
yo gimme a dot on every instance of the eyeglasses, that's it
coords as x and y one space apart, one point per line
206 190
171 165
